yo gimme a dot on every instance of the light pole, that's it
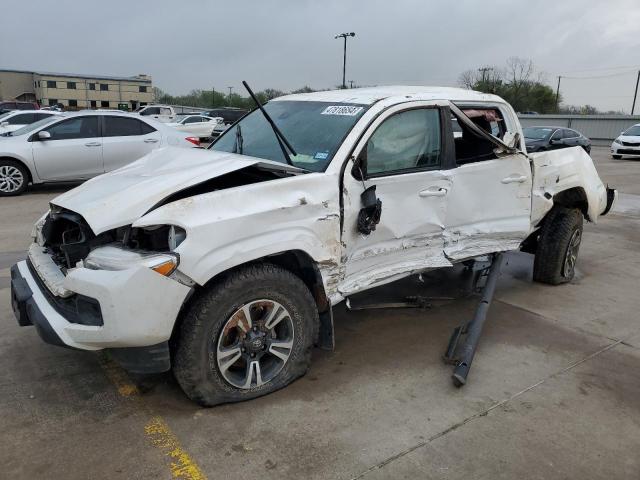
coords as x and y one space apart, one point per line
344 58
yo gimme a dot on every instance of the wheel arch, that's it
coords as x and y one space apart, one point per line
298 262
575 197
17 160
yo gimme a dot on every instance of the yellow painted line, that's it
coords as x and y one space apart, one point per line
182 465
156 430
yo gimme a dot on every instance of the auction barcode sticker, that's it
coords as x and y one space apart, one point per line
348 110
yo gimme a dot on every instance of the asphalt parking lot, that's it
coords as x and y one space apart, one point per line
554 391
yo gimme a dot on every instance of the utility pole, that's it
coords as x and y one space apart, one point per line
558 94
344 57
483 71
635 94
230 90
350 83
213 97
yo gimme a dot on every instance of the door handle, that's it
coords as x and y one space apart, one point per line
432 192
150 140
515 179
92 144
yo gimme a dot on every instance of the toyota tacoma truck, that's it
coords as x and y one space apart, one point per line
224 264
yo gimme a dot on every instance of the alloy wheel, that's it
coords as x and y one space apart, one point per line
11 179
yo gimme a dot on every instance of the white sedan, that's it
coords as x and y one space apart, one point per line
11 121
199 126
627 144
78 146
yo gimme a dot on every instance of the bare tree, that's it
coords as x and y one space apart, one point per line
468 79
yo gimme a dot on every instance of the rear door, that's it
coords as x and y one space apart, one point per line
126 139
489 202
74 151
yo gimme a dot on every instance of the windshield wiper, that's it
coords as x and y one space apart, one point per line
282 141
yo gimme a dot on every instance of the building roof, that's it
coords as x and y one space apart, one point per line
134 78
370 95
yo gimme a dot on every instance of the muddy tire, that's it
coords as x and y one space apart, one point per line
247 335
558 246
14 178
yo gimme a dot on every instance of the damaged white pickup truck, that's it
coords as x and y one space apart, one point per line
224 264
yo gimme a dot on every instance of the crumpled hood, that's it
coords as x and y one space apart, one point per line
120 197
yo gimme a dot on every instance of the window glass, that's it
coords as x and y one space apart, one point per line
557 135
40 116
94 104
142 89
53 101
22 119
165 111
104 87
406 141
570 134
151 111
314 129
193 120
73 103
51 84
79 127
104 104
92 86
123 127
146 128
71 85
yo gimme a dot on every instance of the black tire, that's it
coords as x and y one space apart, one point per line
195 363
616 157
587 149
7 166
562 227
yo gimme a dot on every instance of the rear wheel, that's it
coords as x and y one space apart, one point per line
249 335
558 246
14 178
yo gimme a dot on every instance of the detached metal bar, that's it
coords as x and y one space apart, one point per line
466 351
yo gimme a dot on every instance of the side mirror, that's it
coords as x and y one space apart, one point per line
510 139
359 165
555 141
4 124
44 135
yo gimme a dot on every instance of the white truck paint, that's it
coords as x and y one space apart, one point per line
430 218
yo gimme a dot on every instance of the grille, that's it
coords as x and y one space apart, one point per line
631 144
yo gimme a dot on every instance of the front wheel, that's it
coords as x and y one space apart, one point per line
248 335
558 245
13 178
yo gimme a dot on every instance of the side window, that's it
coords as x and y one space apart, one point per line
570 134
79 127
151 111
146 128
123 127
22 119
405 141
557 135
193 120
165 111
40 116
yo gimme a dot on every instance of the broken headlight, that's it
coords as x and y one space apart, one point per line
156 238
111 257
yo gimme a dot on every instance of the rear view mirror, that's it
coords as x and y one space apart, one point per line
44 135
555 141
4 124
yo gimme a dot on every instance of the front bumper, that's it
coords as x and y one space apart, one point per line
138 307
626 150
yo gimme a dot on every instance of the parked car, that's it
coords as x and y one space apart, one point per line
539 139
162 113
229 116
236 255
16 105
199 126
79 146
12 121
627 144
